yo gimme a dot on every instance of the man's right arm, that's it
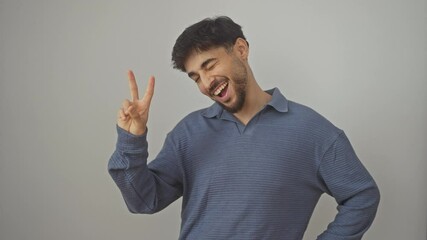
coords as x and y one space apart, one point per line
146 189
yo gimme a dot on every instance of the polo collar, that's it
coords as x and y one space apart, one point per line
278 102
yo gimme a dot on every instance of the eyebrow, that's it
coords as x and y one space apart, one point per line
202 66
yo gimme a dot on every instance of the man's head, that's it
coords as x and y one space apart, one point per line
205 35
214 52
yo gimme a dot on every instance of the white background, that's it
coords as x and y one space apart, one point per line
362 64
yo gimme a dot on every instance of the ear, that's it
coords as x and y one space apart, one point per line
241 48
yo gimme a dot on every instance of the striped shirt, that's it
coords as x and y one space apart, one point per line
261 180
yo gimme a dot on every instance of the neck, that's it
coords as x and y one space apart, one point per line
255 100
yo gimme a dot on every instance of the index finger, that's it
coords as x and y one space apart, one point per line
133 86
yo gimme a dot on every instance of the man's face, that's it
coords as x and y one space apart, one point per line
221 75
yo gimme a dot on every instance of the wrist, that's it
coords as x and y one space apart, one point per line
128 141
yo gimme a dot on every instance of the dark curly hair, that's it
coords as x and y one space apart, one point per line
207 34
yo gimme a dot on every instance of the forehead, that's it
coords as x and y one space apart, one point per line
196 58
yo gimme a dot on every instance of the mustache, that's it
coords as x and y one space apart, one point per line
216 82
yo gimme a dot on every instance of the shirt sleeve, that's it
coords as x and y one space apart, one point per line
353 188
146 188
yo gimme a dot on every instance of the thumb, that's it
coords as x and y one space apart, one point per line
133 113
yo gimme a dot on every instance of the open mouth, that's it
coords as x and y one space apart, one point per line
221 90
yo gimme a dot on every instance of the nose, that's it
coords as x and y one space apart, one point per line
206 82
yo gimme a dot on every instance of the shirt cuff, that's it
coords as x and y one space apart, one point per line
127 141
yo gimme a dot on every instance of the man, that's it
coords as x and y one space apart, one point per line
251 166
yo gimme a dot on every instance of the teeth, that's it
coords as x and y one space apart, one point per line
219 89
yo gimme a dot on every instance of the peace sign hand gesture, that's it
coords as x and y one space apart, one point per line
133 115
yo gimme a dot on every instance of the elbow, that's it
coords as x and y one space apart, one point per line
376 196
369 202
371 198
139 208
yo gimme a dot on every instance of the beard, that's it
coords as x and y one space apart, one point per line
239 83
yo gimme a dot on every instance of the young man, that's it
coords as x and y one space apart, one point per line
251 166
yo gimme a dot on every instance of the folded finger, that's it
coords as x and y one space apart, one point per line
125 105
122 114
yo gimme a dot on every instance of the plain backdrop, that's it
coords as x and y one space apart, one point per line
362 64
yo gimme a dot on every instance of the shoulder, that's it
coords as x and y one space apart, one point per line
307 115
311 123
284 112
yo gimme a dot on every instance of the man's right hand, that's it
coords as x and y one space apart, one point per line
133 115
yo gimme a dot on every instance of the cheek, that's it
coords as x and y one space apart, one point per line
203 90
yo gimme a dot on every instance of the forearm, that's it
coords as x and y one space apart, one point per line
146 189
128 168
355 216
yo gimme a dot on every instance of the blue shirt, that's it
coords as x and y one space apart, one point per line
256 181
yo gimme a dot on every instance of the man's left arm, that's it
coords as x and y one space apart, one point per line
353 188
